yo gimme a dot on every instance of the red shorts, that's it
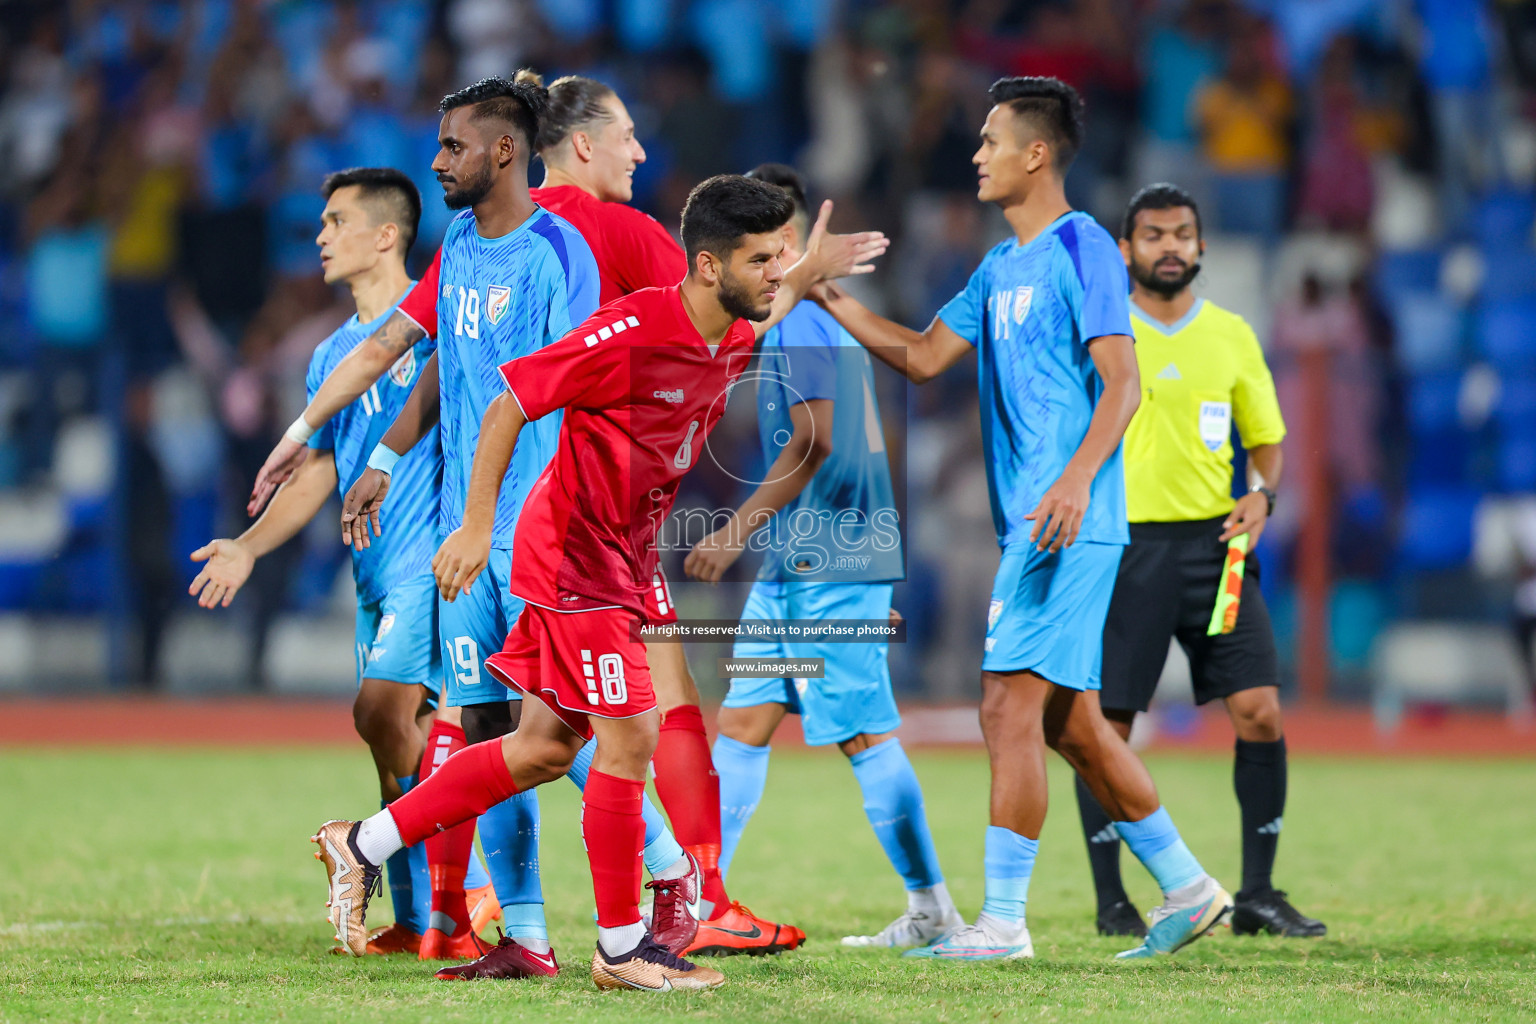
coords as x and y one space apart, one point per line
578 663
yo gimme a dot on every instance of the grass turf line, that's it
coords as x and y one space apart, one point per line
178 886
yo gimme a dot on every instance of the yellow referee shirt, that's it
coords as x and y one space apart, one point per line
1198 377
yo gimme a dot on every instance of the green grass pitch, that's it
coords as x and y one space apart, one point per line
178 886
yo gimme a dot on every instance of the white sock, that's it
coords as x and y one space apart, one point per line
706 909
617 941
677 869
934 901
539 946
1000 928
378 838
1188 895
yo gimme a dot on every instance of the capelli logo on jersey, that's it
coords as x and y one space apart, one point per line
497 298
675 397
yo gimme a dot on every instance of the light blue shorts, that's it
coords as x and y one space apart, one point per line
855 695
397 635
1047 612
474 626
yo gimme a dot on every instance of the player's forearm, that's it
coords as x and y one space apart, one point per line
897 346
1116 406
363 366
298 501
499 430
1264 466
419 414
790 474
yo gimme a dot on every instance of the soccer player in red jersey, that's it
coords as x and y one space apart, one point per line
642 384
587 141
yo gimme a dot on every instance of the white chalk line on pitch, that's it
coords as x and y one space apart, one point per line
30 927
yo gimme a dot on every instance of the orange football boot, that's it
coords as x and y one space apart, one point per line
739 931
395 938
484 908
439 945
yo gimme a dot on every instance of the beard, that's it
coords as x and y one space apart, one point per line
736 299
1167 287
470 190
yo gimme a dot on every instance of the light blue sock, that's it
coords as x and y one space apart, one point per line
1156 843
509 833
1010 860
743 771
893 803
475 876
410 883
662 850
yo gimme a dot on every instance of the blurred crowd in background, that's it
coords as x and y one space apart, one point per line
1366 169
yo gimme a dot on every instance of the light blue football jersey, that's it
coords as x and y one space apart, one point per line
409 518
1031 311
844 527
498 299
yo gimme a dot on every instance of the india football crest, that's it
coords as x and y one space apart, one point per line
994 612
404 369
497 298
1022 295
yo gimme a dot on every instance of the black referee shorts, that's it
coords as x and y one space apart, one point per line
1166 589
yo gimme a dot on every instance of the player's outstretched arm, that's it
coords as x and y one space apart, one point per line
1060 513
365 498
464 553
355 374
797 462
826 257
227 563
919 356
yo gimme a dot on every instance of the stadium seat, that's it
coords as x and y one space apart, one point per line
1509 273
1504 219
1406 272
1443 662
1429 330
1436 528
1516 409
1432 403
1506 333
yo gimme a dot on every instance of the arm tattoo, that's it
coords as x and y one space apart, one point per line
399 333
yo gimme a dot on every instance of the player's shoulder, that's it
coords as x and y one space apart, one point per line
1079 234
561 243
631 318
336 345
809 324
461 222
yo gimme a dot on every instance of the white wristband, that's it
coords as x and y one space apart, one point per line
299 432
383 459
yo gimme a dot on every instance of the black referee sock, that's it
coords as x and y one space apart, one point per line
1103 848
1258 775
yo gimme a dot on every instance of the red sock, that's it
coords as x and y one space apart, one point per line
614 833
689 789
448 852
460 790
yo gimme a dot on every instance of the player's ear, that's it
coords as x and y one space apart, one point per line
583 143
1125 250
706 267
386 236
1037 155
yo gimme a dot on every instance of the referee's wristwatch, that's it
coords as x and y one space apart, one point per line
1269 496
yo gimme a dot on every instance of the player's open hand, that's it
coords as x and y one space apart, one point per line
1248 516
1060 513
460 560
360 508
834 256
227 566
285 458
712 556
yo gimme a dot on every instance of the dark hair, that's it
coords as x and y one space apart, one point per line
1052 107
1160 195
786 178
720 210
574 102
390 195
520 102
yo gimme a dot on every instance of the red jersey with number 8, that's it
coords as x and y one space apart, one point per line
641 392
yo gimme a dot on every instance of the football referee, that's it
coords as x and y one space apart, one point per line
1201 371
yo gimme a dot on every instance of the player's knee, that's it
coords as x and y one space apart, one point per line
542 760
1258 720
483 722
372 720
1002 713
